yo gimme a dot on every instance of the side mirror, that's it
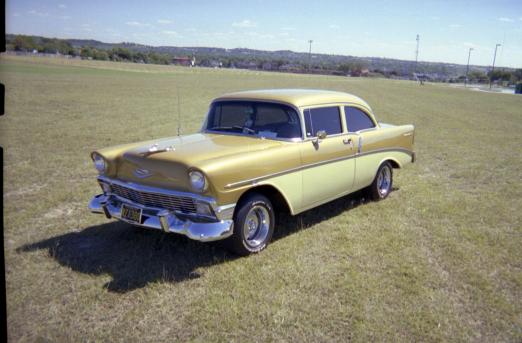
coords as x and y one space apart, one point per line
321 134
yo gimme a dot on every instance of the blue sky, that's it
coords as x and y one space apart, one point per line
447 29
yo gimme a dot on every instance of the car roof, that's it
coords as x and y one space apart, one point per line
296 97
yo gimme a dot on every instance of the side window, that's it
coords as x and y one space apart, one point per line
357 119
324 118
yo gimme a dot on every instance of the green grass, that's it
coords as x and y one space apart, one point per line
439 260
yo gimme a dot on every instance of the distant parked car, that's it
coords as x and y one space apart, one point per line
258 152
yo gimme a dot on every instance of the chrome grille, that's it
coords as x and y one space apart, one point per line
169 202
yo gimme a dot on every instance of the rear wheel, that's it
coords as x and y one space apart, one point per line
382 184
253 225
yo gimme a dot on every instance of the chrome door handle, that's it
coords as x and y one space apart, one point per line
347 141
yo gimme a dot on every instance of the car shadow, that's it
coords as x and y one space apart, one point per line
134 257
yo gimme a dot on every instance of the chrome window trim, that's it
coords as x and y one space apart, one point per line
311 165
368 110
290 140
344 124
363 130
306 138
368 113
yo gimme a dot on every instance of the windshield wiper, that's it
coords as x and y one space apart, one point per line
237 127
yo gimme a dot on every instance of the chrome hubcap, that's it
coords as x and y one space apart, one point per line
256 227
384 181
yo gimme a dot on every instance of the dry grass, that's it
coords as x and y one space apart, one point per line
439 260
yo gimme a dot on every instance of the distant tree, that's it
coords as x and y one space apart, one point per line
354 68
121 54
345 68
477 76
100 55
87 52
499 75
24 43
516 76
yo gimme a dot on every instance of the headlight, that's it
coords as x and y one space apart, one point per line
197 181
99 163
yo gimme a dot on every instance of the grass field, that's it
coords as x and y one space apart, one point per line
439 260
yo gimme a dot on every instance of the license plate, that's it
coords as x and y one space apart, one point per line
130 213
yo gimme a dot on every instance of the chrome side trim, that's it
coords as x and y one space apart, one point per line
225 212
409 152
311 165
260 178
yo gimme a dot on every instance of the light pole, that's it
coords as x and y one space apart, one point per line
416 54
467 68
310 55
493 67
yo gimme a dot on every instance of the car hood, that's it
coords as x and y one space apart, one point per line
195 148
166 162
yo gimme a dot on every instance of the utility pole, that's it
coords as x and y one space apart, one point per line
417 54
467 68
493 67
310 55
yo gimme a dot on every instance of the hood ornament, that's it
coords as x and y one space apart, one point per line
142 173
154 149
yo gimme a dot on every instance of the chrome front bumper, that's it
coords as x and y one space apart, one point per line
161 219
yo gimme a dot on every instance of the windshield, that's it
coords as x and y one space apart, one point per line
261 119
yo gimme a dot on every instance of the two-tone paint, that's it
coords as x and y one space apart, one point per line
305 172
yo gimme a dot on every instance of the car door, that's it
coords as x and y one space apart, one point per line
359 122
328 164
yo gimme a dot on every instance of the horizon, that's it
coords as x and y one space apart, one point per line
447 31
299 52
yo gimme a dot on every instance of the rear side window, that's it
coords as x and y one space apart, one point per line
324 118
357 119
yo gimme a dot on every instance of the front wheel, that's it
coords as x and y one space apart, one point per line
253 225
382 184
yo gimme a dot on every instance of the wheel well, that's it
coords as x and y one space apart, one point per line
394 164
273 194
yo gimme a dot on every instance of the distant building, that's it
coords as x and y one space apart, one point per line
267 66
215 64
182 61
290 67
246 65
360 72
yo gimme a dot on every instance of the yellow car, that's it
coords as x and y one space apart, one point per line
258 153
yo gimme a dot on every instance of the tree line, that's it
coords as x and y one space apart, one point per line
277 61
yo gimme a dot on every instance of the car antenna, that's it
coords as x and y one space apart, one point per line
179 112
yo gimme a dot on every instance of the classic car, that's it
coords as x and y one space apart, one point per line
258 153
